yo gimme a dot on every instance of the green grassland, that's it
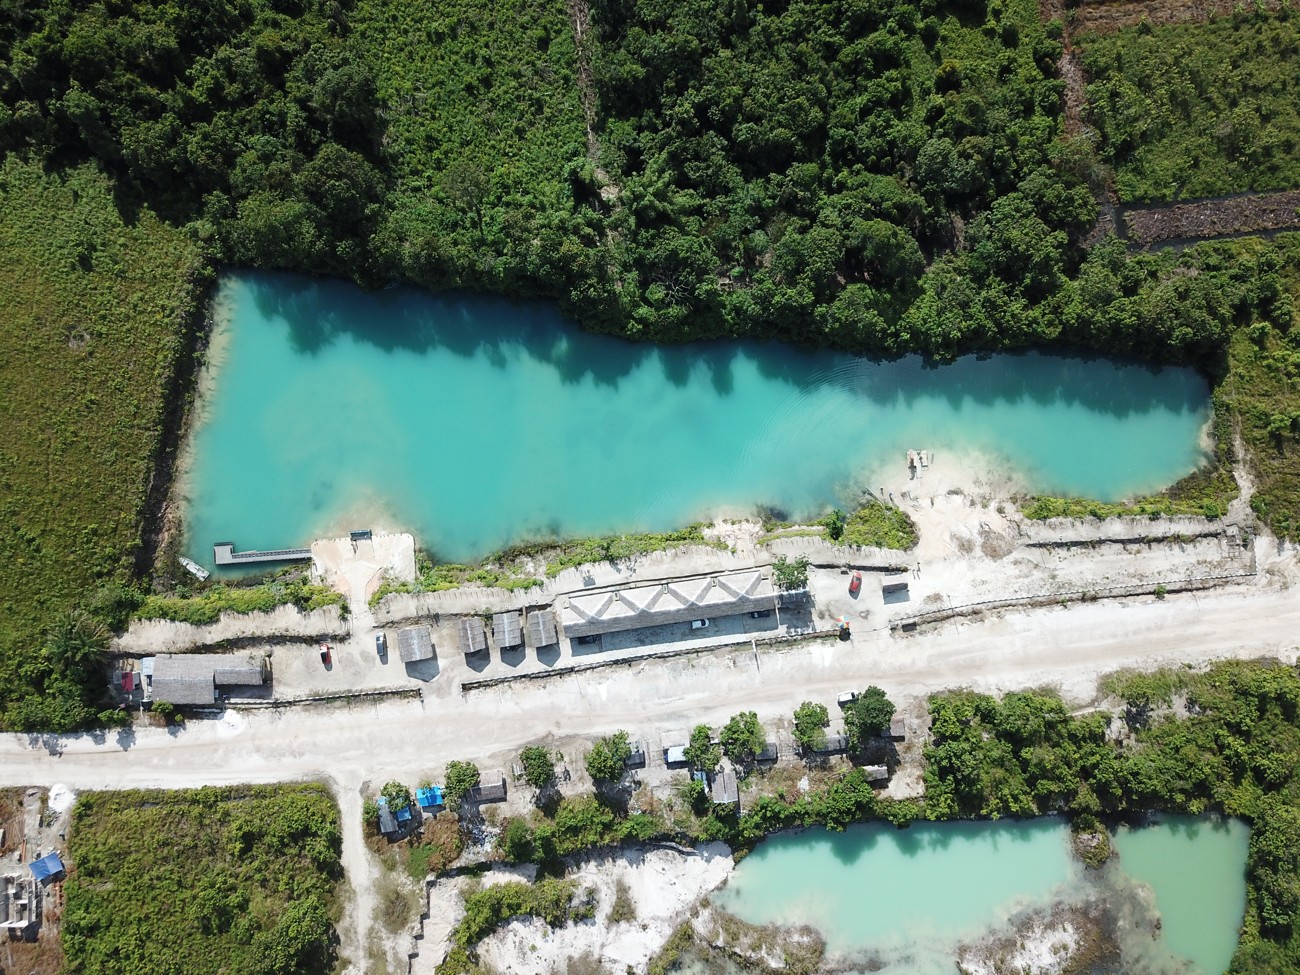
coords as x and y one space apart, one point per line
238 881
1193 110
95 314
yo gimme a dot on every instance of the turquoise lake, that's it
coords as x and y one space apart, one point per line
905 899
474 422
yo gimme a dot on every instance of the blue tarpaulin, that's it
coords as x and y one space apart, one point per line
403 815
46 867
429 798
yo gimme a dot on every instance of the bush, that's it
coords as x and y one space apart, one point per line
539 769
810 721
867 716
607 760
516 841
789 575
701 753
397 795
461 778
742 737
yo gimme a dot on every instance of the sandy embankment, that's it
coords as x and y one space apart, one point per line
663 885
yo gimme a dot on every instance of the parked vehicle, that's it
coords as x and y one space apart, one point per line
847 698
325 654
855 583
381 643
699 624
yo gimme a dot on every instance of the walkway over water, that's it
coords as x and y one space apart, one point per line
223 553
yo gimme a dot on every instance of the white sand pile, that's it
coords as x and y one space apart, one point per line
663 886
61 798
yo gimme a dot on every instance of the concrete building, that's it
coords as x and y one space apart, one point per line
414 643
491 787
19 907
193 679
679 601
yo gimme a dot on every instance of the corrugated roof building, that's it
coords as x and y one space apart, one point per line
507 629
491 787
193 678
541 628
473 637
414 643
680 601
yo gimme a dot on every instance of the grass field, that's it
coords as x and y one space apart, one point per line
1194 110
237 881
93 313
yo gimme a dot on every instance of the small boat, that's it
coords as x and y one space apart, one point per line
197 570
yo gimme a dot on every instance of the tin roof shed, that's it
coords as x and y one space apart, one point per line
414 643
542 631
507 629
473 636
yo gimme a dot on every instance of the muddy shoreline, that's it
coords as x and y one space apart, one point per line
159 518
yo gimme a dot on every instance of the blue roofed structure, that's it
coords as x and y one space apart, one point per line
429 797
46 867
403 815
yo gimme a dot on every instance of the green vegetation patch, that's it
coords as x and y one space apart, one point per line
551 899
1193 110
1261 392
207 605
880 525
485 127
237 881
95 314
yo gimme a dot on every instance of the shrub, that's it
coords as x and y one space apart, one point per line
461 778
539 769
607 760
810 721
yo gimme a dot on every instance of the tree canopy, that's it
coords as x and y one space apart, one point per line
867 716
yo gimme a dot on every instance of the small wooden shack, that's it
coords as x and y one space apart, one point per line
542 631
507 629
414 643
491 787
893 584
473 635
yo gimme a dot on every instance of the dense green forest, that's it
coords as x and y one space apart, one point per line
237 881
1193 110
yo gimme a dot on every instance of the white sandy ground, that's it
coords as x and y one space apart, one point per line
969 551
664 884
1044 949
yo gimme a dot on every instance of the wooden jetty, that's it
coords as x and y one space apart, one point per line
223 553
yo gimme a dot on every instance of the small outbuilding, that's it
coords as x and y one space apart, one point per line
725 791
387 822
414 643
473 635
834 745
770 753
897 728
675 755
875 773
542 631
894 585
637 757
507 629
491 787
430 797
48 867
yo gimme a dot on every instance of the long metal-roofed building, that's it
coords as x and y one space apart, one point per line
193 678
414 643
679 601
507 629
473 636
541 628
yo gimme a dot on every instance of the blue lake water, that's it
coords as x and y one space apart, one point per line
475 423
907 898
